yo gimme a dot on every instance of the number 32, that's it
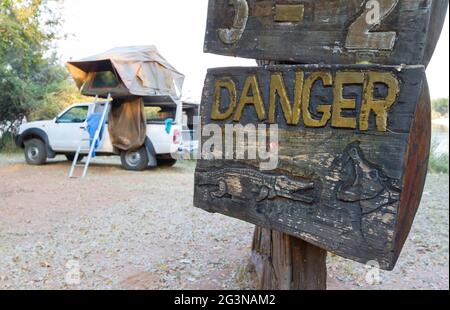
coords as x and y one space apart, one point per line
360 35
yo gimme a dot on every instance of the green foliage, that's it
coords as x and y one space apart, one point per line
7 144
440 106
27 74
54 102
439 163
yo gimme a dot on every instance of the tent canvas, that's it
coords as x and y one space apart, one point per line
131 75
127 71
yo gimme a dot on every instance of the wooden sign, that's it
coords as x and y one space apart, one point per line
387 32
353 144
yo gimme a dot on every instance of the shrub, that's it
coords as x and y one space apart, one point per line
7 144
439 163
64 95
440 106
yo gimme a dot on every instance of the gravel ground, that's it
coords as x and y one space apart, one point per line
424 263
123 230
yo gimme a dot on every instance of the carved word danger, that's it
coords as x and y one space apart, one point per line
231 101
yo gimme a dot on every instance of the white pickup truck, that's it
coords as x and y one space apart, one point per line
62 136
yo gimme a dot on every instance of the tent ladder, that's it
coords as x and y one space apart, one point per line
94 142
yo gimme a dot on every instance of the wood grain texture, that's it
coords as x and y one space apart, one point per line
284 262
416 168
329 31
344 190
290 265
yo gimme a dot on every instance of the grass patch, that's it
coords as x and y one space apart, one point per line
438 163
7 144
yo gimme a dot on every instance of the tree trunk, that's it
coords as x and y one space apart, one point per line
283 262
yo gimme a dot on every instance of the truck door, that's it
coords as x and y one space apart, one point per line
69 129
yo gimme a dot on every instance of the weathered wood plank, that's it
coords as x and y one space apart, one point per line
291 265
343 181
284 262
388 32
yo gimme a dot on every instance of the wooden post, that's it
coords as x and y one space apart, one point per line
349 183
283 262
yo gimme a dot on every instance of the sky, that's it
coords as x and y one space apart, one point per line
177 28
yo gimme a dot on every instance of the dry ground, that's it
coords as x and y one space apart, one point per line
140 231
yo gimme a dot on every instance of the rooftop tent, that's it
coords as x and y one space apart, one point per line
127 71
134 76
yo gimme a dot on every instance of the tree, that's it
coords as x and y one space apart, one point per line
29 69
441 106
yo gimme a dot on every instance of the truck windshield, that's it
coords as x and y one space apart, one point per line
159 114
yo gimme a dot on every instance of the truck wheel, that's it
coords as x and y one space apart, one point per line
71 157
136 160
35 152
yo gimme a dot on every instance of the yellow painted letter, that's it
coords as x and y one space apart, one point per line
256 99
278 88
327 80
340 103
299 78
228 84
379 107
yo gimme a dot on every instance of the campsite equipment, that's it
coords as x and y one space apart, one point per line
100 107
136 77
125 72
131 75
127 123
